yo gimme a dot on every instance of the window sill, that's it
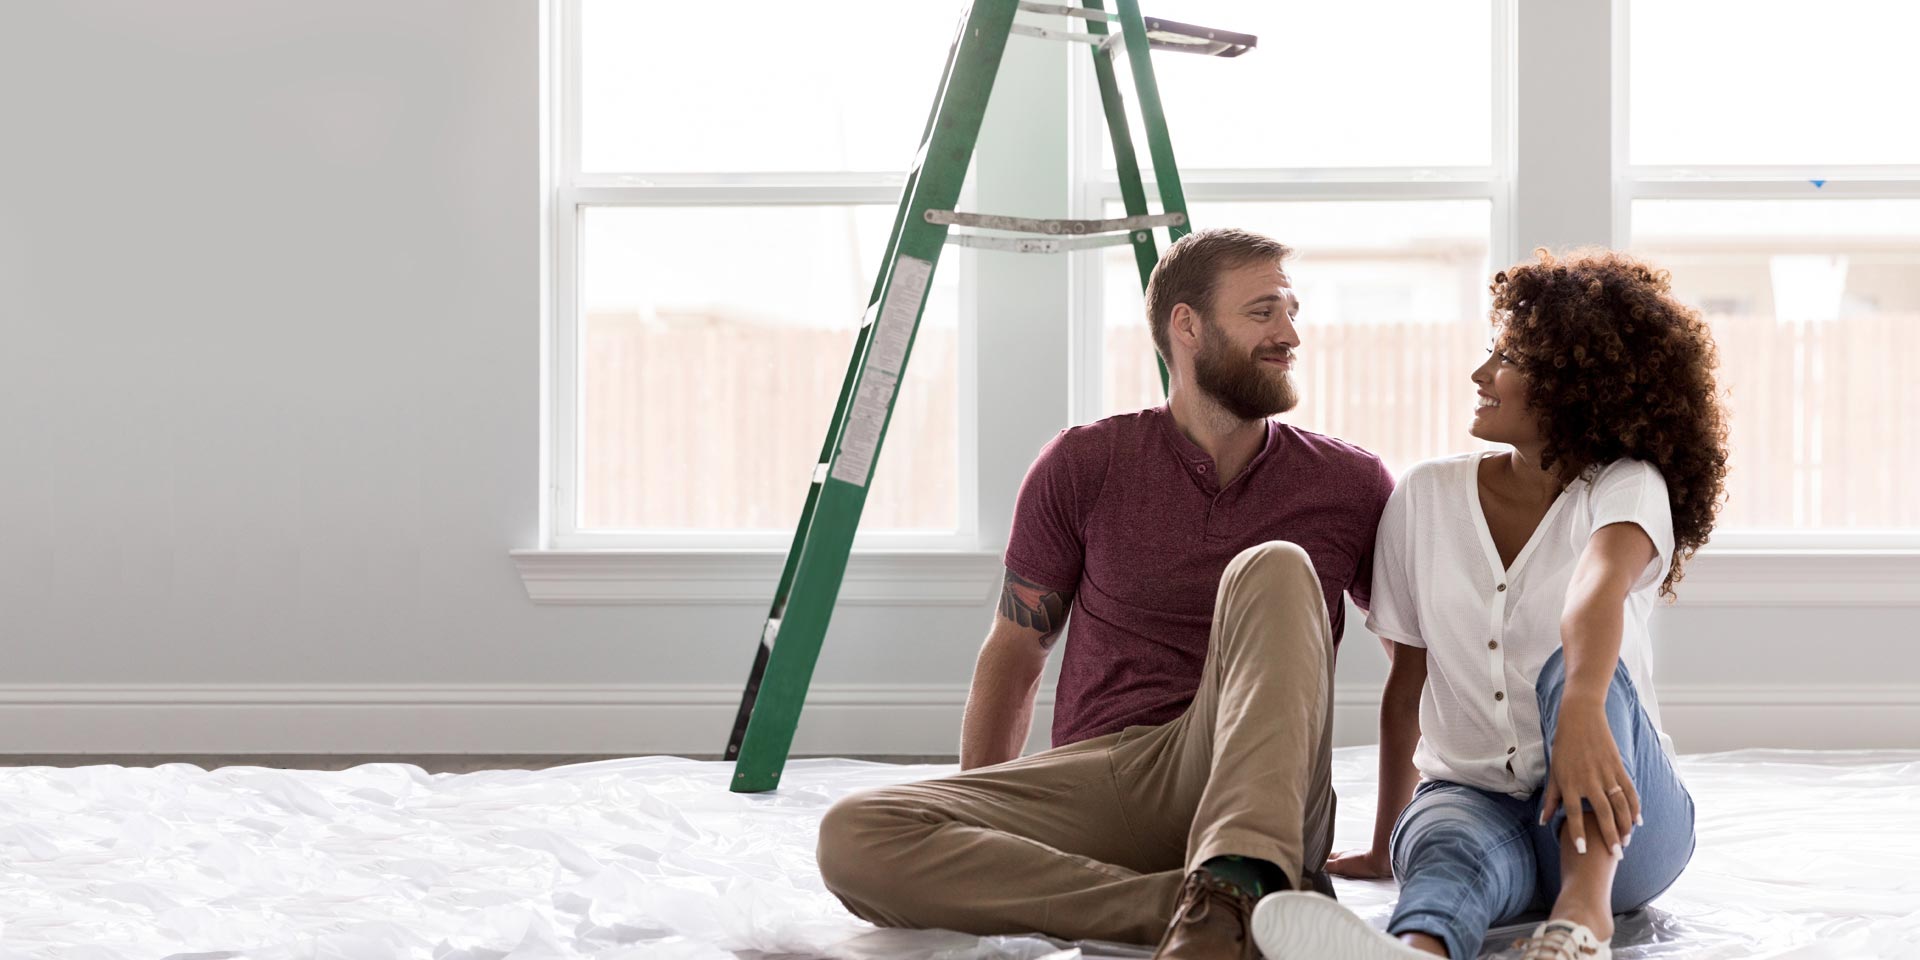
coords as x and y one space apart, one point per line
1801 578
1714 578
947 578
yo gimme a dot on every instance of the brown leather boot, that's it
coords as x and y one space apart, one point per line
1210 923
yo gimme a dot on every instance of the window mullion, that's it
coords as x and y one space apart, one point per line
565 370
1564 86
1023 300
561 493
1501 249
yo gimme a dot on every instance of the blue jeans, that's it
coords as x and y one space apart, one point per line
1468 859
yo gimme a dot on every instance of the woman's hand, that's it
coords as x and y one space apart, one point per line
1586 766
1361 865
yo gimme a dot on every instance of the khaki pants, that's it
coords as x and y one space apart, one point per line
1092 840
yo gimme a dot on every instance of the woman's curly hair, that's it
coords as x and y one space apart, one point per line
1615 367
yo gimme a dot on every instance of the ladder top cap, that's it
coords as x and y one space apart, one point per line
1191 38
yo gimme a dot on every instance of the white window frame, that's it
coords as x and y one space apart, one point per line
570 191
1570 185
1744 182
1096 187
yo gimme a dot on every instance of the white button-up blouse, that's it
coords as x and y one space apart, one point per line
1438 583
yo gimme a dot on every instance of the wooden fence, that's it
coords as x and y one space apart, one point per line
717 426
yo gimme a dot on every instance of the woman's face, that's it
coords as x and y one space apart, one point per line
1501 413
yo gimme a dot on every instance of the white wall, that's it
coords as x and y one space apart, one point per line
269 407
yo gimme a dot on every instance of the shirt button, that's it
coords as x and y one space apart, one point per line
1499 695
1502 588
1203 469
1512 749
1493 644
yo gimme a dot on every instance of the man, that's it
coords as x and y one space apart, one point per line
1200 547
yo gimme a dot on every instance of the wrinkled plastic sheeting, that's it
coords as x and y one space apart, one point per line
1802 855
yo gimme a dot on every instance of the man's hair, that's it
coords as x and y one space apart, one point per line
1191 268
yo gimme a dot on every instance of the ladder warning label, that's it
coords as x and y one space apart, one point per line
886 354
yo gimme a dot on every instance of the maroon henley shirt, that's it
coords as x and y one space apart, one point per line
1128 514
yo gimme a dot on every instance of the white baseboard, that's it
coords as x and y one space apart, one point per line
839 719
1708 718
476 718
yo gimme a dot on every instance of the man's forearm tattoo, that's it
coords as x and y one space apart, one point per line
1035 607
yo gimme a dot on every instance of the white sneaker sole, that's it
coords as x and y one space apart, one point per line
1307 926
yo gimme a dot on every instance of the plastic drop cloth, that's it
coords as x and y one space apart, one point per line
1802 855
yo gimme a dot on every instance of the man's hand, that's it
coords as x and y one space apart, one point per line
1361 865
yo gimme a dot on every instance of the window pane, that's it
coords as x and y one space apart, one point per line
759 85
1774 82
1368 83
1393 318
1815 306
710 369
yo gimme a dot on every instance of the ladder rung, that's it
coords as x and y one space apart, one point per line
1027 30
1045 244
1054 228
1064 11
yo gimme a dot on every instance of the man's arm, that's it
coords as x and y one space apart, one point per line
1007 674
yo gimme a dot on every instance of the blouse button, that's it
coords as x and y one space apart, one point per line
1493 644
1512 749
1499 695
1502 588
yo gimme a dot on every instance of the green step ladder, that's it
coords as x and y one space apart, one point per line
817 560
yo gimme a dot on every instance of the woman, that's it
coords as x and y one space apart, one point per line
1515 588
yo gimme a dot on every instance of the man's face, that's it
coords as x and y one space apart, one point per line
1245 357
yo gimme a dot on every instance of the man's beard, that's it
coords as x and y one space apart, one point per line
1241 384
